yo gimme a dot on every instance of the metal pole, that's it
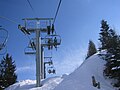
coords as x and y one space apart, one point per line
38 59
44 71
42 62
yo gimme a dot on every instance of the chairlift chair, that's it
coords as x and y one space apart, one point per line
53 29
51 69
50 29
2 46
23 29
29 51
49 61
52 40
32 44
3 38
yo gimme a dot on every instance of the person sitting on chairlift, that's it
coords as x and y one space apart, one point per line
53 28
49 44
55 42
53 71
49 71
48 27
33 46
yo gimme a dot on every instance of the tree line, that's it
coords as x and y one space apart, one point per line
110 42
7 72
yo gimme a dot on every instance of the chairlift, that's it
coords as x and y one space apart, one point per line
50 29
3 51
23 29
52 40
32 44
3 38
53 29
48 62
51 69
31 48
48 58
29 51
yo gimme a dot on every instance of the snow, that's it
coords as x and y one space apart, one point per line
48 84
80 79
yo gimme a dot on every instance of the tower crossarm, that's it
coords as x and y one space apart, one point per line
37 19
34 29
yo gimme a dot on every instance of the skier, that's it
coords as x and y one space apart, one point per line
55 43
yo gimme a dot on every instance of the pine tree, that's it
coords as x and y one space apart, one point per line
110 41
112 69
91 49
7 72
115 56
104 35
111 53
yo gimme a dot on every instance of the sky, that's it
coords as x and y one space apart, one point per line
78 21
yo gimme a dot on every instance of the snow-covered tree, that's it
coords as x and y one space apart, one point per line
114 58
91 49
110 41
104 35
7 72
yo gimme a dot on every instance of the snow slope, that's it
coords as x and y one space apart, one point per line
80 79
48 84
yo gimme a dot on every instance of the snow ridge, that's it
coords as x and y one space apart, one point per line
81 78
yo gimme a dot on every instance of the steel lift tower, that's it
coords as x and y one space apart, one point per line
43 35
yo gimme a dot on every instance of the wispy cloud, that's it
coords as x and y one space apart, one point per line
25 68
70 60
65 61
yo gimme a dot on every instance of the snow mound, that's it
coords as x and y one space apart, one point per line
81 78
48 84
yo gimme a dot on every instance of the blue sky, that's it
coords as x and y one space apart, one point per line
77 22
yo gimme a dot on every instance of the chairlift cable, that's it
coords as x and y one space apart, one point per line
57 11
29 37
12 22
31 6
8 19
